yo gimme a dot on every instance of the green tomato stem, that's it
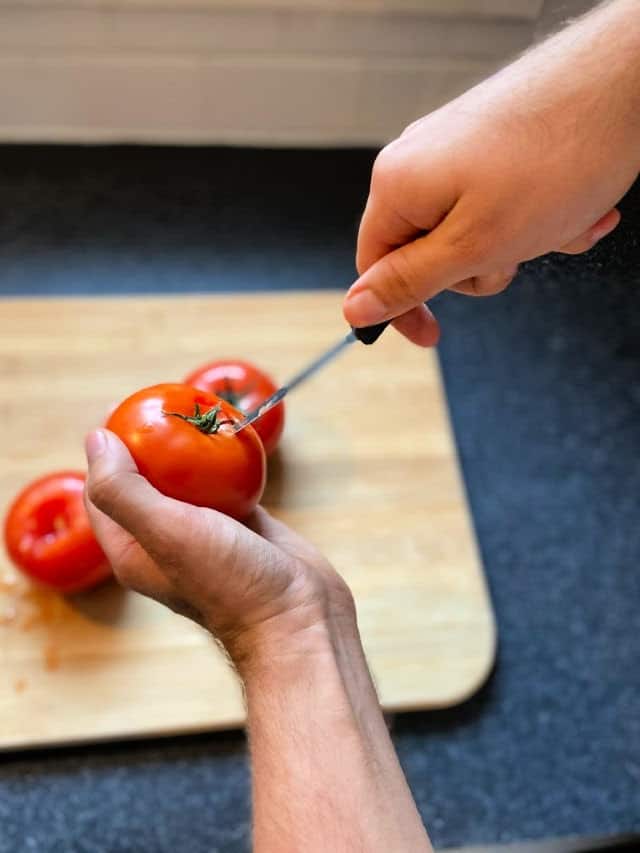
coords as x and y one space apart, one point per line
208 423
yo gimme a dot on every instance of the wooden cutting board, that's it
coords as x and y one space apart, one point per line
367 470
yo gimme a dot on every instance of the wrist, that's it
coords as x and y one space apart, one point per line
322 669
279 652
316 682
284 643
321 627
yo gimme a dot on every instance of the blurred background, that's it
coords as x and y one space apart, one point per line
249 72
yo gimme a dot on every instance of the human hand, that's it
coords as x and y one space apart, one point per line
324 771
263 591
532 160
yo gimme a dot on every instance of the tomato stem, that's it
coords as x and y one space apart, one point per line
228 393
207 423
235 395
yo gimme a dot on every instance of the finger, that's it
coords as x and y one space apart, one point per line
285 539
131 564
419 326
381 230
119 546
415 125
486 285
591 236
413 274
395 214
172 533
175 535
116 488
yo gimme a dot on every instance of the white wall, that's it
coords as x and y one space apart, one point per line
244 71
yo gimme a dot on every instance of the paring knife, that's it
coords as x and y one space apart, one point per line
366 335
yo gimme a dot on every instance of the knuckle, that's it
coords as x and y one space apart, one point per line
344 598
363 247
123 562
384 169
478 233
401 285
228 554
470 244
106 490
167 542
491 285
414 125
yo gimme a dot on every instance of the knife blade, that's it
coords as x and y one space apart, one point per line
367 335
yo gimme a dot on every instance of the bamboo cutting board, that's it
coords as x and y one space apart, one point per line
367 470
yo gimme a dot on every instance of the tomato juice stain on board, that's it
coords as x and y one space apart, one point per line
42 607
25 607
51 657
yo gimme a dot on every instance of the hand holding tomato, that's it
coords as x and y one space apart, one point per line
258 587
183 443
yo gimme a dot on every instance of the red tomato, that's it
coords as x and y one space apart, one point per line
245 387
182 442
48 536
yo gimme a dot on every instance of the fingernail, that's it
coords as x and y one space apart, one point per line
605 227
365 308
598 234
95 445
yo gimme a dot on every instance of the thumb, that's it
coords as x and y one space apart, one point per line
116 488
171 532
194 547
412 274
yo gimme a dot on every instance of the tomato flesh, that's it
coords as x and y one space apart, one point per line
48 535
222 470
245 387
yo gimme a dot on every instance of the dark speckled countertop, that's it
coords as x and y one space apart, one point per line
544 389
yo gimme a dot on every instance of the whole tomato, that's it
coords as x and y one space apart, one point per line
182 442
48 536
245 387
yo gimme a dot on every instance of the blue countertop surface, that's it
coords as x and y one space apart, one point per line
544 390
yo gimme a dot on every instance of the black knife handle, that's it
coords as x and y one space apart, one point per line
370 334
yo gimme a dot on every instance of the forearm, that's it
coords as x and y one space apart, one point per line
596 59
325 773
